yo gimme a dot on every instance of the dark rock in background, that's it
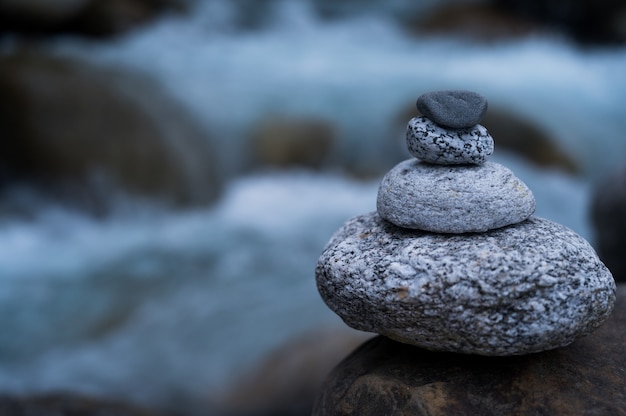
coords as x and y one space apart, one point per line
289 142
287 381
77 131
65 404
586 21
474 21
94 18
514 133
608 217
595 22
385 377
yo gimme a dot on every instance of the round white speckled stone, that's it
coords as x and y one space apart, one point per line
432 143
453 199
521 289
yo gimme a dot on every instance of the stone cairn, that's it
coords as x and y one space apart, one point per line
453 259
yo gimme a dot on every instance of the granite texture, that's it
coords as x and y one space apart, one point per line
460 199
456 109
521 289
433 144
385 377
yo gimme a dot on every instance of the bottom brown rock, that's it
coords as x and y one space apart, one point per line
385 377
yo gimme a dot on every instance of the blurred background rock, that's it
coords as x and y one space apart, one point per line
93 18
70 127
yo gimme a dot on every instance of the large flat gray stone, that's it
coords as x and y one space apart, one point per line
453 199
521 289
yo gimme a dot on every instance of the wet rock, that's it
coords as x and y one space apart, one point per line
525 288
608 217
80 132
385 377
284 142
453 199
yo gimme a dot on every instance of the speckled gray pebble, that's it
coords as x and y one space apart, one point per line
521 289
453 199
434 144
456 109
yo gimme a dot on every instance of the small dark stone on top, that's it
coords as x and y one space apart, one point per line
455 109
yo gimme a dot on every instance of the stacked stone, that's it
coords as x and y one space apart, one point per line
450 187
453 259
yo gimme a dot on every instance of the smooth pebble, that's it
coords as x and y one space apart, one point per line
456 109
432 143
453 199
